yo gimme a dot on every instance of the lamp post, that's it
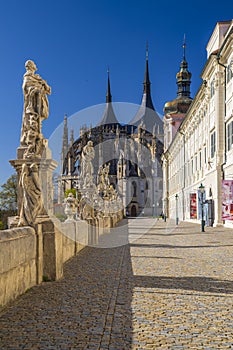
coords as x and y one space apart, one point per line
153 210
177 218
202 190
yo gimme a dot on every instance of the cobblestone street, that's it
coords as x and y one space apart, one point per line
171 288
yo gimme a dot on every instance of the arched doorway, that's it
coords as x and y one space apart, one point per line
133 211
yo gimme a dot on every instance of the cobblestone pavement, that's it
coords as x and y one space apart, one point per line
171 288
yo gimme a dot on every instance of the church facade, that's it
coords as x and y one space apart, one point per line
130 153
198 139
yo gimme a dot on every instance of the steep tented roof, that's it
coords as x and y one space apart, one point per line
146 113
109 116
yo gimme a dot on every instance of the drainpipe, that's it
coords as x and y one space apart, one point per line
225 127
184 173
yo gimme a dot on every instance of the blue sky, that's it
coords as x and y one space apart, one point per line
73 42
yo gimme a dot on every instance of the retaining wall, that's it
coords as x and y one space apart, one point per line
18 262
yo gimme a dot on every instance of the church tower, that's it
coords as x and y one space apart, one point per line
146 113
175 110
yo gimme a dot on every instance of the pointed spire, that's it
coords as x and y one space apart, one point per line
146 81
71 137
65 133
108 117
108 96
146 112
64 141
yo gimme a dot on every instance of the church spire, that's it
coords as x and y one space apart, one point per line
108 96
183 77
109 115
64 141
146 83
146 113
71 137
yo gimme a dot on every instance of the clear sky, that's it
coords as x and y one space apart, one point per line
73 42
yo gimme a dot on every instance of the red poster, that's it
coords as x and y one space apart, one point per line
227 199
193 205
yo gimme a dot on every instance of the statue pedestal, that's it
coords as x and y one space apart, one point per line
45 186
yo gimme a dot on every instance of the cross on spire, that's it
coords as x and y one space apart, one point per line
184 47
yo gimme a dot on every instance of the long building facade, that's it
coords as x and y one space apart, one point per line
198 139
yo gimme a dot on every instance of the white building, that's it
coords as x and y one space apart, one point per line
199 142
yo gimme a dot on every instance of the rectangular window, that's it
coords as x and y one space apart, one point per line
229 72
212 144
212 90
196 163
200 160
205 155
229 135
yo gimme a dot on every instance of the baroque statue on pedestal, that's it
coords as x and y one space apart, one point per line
35 110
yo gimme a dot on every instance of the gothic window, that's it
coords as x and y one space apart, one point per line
212 144
134 189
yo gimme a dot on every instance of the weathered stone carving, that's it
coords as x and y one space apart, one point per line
35 110
31 204
70 204
88 155
29 166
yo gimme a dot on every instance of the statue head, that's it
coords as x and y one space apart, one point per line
30 65
90 143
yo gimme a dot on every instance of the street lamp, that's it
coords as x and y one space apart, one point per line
177 218
153 205
202 190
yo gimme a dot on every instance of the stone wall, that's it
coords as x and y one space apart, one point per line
28 256
75 238
18 262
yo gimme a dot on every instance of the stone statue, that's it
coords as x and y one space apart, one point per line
70 205
35 110
31 198
87 170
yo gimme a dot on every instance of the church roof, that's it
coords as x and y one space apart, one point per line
146 113
109 116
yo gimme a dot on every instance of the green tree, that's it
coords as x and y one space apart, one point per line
8 200
8 194
71 190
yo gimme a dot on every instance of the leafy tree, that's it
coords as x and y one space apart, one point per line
71 190
8 194
8 200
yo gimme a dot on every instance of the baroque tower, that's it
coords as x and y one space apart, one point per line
175 110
